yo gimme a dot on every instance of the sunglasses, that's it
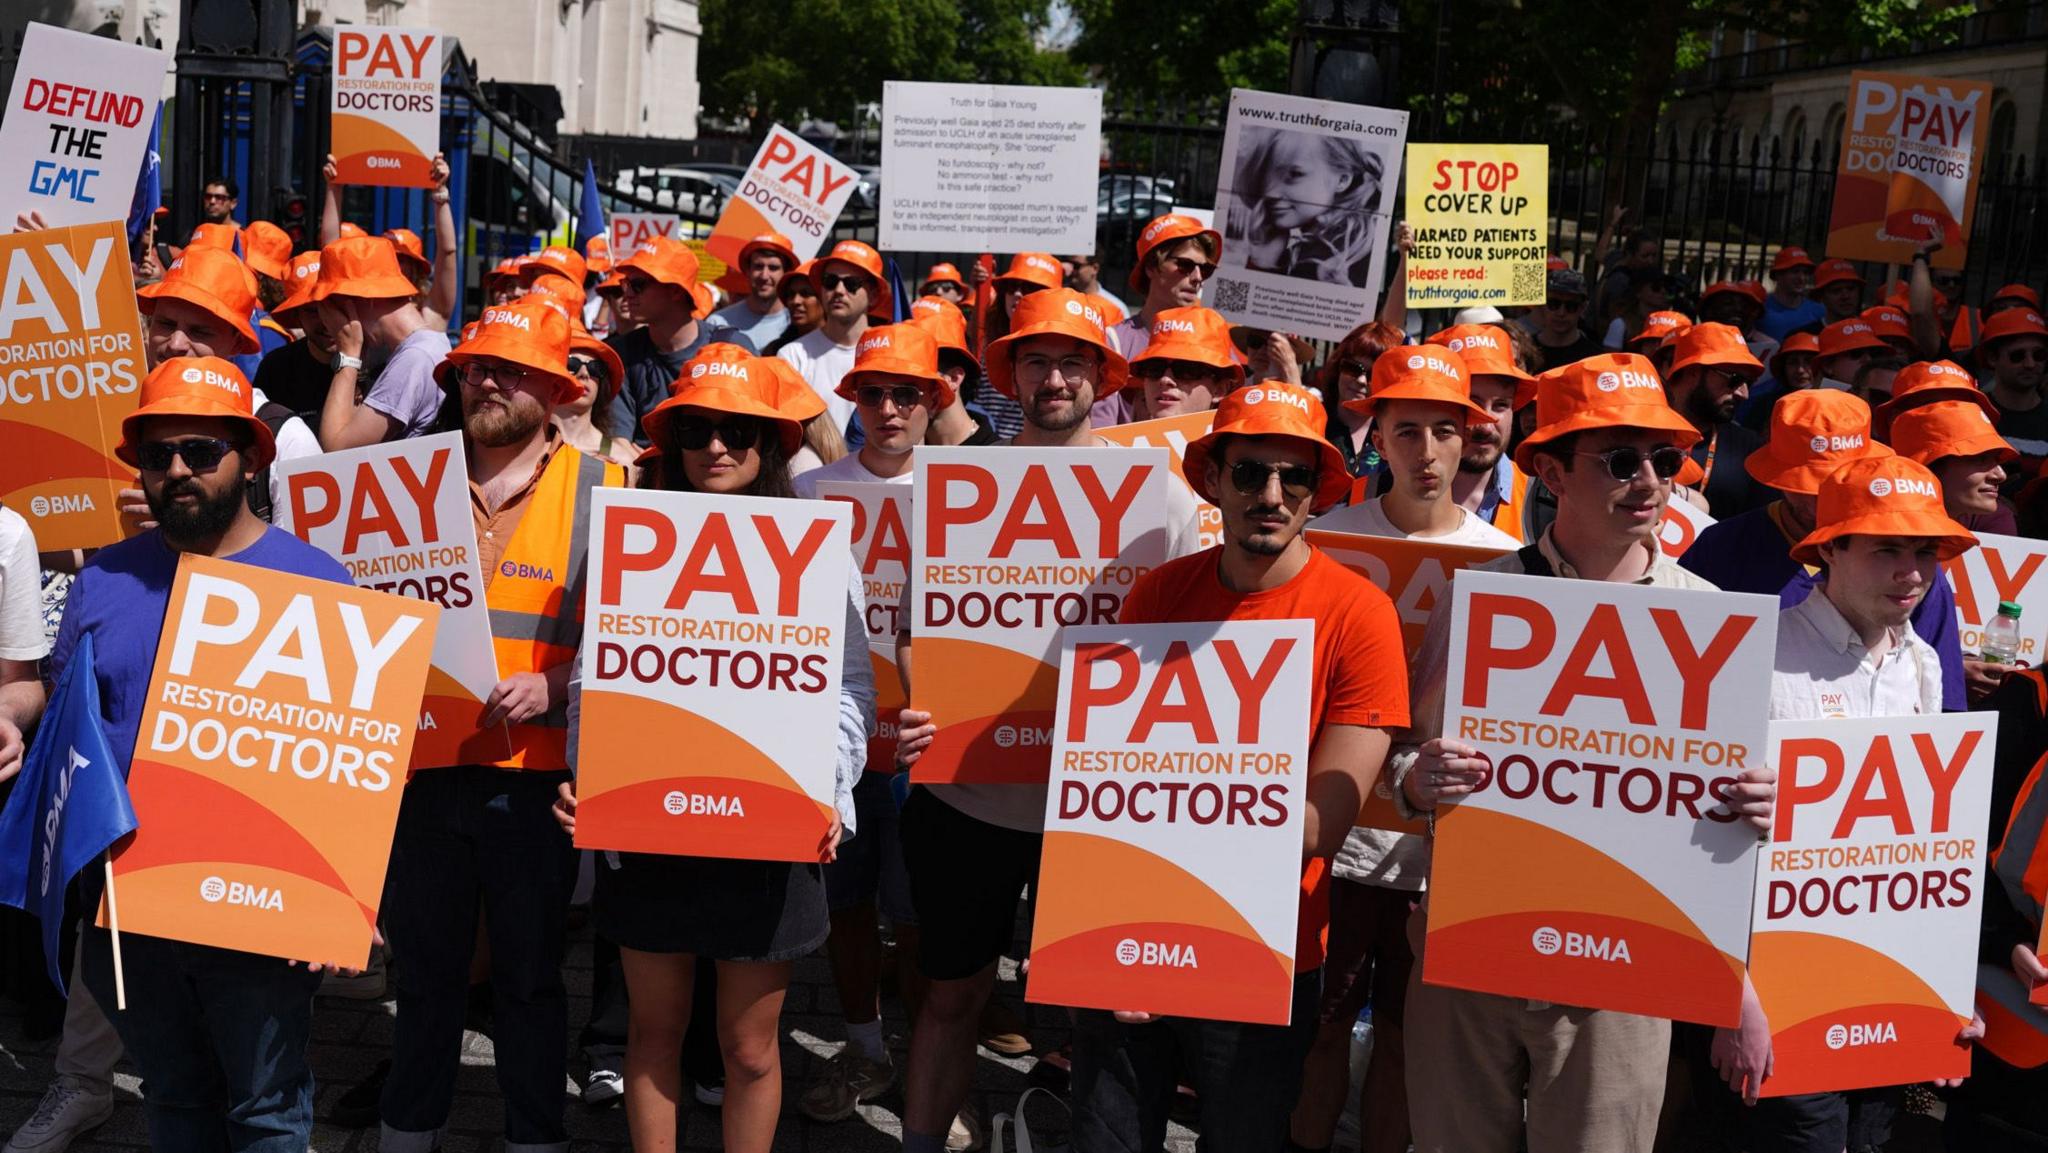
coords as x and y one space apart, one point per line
831 280
1357 368
589 366
903 396
737 435
1625 462
200 453
1184 266
1250 477
636 284
2034 355
476 374
1571 305
1190 371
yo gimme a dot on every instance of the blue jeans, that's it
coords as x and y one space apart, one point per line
1245 1076
478 840
220 1039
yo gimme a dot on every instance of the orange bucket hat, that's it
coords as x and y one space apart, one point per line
1748 290
756 386
1848 336
1270 409
221 236
663 260
1614 390
1883 496
1926 382
597 254
720 353
1421 372
556 287
1168 229
1485 350
942 273
773 242
1714 346
1040 269
2019 292
364 268
1889 322
2012 322
582 342
412 251
350 231
1813 432
212 279
1057 312
1794 344
867 260
1791 256
1835 272
560 260
506 269
1659 325
267 249
532 334
906 349
1193 333
943 319
1947 428
196 386
300 279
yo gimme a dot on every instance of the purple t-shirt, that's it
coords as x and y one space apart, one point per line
405 389
1131 338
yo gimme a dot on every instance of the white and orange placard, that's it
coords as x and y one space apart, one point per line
71 360
2002 568
881 549
76 127
385 100
793 188
398 515
632 229
1615 717
1864 949
1009 546
270 762
1416 576
1171 879
1681 524
713 649
1912 153
1173 433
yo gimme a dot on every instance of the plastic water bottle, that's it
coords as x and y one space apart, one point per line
2001 644
1361 1044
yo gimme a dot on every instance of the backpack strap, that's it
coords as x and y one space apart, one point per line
1534 563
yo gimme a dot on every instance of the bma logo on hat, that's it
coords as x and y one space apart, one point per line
1836 443
1429 359
1616 381
925 306
1166 324
1158 226
1856 328
718 368
1286 396
1880 486
1608 382
497 316
871 343
1041 263
309 268
1076 308
219 380
1476 340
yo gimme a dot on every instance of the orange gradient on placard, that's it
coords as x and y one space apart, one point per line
1811 982
358 138
889 702
458 736
1090 887
975 691
737 224
629 757
1480 932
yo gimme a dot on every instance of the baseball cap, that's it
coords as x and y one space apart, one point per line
1270 409
1883 496
1566 282
1813 432
1612 390
205 386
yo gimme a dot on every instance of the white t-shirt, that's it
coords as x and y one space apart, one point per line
847 468
1370 519
822 363
1822 669
21 591
294 442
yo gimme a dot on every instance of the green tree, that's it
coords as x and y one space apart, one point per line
1172 48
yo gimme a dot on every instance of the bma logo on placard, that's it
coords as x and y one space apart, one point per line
1155 954
1010 736
677 803
1855 1036
61 503
1550 942
215 891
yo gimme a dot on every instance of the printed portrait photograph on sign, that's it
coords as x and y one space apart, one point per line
1302 204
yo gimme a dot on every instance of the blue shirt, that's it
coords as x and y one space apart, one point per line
120 597
268 340
1780 322
1748 554
737 317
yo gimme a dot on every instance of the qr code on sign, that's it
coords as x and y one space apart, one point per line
1232 294
1529 283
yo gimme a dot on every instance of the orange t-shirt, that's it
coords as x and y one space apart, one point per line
1360 677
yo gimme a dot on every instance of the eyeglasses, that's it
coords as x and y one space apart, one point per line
1625 462
737 434
589 366
1250 477
831 280
1573 304
477 373
1353 368
216 196
1187 371
901 395
200 453
1184 266
2034 354
1038 369
636 284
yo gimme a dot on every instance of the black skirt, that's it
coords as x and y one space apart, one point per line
727 910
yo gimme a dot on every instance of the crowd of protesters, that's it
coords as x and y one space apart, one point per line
1779 397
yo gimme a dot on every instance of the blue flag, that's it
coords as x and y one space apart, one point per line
149 183
899 302
69 804
590 211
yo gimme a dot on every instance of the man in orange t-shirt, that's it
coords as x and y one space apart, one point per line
1267 466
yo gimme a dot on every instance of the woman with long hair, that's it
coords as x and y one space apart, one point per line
731 434
1344 377
1304 205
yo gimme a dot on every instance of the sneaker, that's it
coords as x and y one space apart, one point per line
965 1134
710 1094
603 1086
69 1110
356 1108
850 1080
367 985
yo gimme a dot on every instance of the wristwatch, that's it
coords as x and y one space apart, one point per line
344 360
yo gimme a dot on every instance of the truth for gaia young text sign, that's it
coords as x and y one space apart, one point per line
76 125
1172 872
1616 719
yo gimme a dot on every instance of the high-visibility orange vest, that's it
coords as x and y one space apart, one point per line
1508 514
536 596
